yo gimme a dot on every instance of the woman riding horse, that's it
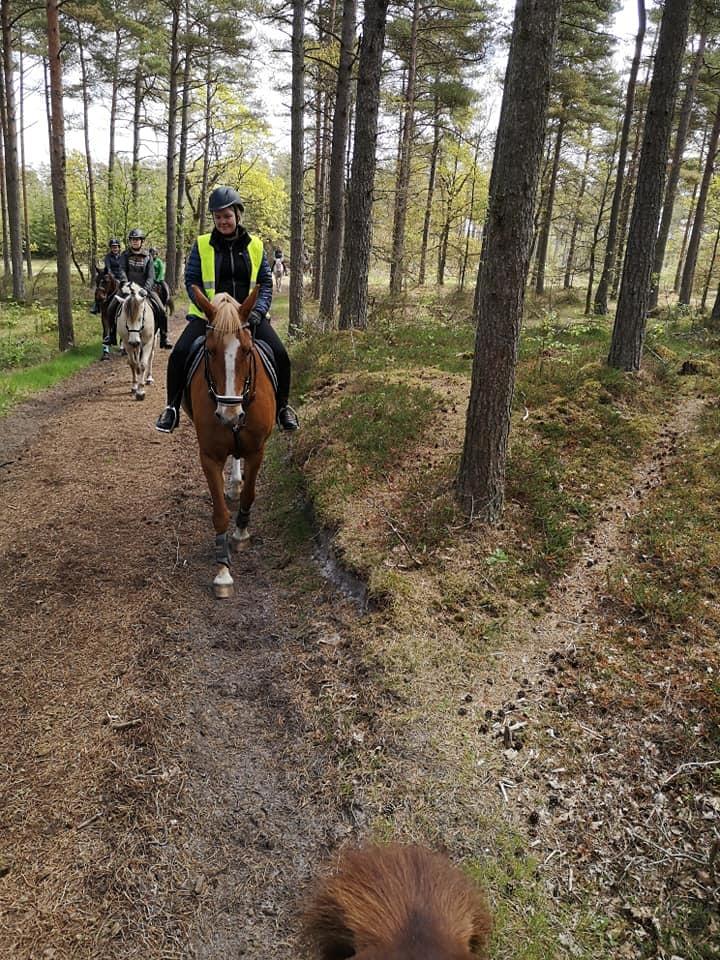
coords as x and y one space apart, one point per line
228 260
137 267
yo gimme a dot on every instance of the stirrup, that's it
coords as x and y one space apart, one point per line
168 420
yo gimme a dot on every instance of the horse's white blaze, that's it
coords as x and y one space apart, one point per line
230 410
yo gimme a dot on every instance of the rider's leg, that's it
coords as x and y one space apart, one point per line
160 320
112 321
287 418
177 362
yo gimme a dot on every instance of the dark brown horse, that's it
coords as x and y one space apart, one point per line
106 286
232 404
398 903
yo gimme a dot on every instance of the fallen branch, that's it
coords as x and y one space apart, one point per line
688 766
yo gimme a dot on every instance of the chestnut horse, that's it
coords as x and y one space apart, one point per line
232 404
106 286
398 903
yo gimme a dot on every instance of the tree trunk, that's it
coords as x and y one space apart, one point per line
23 174
170 169
182 158
570 262
629 329
688 277
480 485
547 219
630 179
607 276
674 174
434 153
66 335
92 252
403 176
686 235
708 275
336 187
715 315
470 222
12 167
7 268
135 174
297 167
111 146
358 227
202 202
596 231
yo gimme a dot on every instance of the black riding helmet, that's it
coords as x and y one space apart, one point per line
223 197
152 251
113 242
136 234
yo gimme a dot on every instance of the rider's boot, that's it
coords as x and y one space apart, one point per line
94 307
168 420
287 418
165 344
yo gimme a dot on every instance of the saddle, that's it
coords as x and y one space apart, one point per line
195 357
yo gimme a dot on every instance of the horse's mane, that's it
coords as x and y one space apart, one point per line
228 318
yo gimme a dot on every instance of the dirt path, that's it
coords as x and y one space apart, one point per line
164 778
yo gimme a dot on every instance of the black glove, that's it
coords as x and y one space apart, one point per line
255 319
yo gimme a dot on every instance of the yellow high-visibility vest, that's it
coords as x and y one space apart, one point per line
207 267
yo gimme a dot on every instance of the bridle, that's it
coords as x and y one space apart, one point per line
143 302
248 394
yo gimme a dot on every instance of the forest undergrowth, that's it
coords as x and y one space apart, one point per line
570 763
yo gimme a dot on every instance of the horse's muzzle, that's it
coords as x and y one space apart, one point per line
230 416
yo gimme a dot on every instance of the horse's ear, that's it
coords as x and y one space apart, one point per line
202 301
249 302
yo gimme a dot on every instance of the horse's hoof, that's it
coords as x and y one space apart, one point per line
239 539
139 396
150 380
223 585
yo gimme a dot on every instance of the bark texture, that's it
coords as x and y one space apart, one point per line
358 228
480 484
629 329
297 164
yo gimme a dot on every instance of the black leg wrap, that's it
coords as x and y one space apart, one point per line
243 518
222 554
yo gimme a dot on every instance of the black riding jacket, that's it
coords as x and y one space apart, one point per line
138 268
113 265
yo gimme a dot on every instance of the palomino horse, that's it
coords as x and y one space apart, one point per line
136 329
232 403
106 286
278 272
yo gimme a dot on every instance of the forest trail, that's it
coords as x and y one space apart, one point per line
170 782
162 782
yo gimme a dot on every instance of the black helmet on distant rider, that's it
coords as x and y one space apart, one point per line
136 234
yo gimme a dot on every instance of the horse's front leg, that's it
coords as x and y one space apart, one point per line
134 366
150 356
213 470
240 535
235 481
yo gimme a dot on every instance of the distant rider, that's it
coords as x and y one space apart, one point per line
112 265
228 260
138 267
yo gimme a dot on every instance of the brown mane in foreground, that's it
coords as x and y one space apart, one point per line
398 903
